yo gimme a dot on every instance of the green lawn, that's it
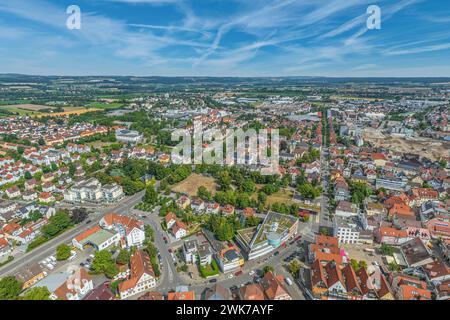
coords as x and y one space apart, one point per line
209 270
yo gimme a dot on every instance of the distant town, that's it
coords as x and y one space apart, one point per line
92 207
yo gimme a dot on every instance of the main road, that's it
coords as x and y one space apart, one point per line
49 248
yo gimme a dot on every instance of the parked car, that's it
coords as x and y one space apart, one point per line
213 281
289 281
237 274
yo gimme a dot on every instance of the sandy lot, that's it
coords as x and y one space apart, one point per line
193 182
430 148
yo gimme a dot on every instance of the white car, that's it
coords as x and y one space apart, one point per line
50 266
288 281
230 276
252 273
53 258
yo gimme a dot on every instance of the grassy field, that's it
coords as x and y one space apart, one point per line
105 105
193 182
99 144
282 196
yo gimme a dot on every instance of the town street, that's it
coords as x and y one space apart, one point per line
49 247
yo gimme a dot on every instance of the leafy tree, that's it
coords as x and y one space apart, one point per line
386 250
222 227
54 166
149 233
37 293
59 222
323 231
123 257
79 215
359 191
10 288
363 264
224 180
204 194
308 191
248 186
151 196
28 175
268 269
294 268
270 189
63 252
104 263
355 265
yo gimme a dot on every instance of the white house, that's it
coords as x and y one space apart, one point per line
142 276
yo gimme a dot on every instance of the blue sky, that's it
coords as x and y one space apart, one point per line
226 38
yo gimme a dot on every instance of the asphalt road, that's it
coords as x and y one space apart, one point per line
324 220
49 247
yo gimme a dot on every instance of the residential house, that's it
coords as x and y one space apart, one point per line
325 249
142 276
13 192
75 287
183 202
229 259
218 292
131 229
273 287
251 292
391 236
346 209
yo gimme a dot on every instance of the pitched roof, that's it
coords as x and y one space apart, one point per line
186 295
273 287
87 233
351 281
251 292
140 265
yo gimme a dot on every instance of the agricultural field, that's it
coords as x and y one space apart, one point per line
193 182
35 110
24 109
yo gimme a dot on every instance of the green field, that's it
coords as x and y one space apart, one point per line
105 105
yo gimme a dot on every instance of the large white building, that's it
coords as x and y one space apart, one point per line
275 230
91 190
128 136
132 230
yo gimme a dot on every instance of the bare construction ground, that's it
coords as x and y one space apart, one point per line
193 182
432 149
